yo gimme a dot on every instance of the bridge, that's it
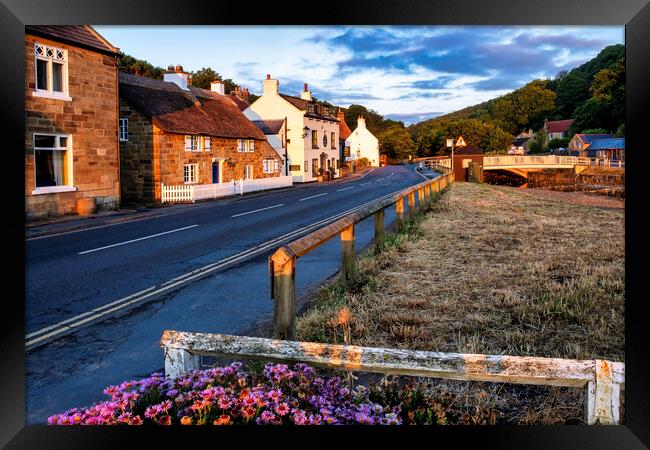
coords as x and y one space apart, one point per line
522 165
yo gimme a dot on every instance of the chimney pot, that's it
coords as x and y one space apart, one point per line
305 88
170 67
268 76
179 68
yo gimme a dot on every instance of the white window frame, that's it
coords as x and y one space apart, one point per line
191 138
49 92
276 166
248 172
251 146
192 174
68 172
124 129
240 146
207 143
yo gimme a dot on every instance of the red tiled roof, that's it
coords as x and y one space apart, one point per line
80 35
558 126
344 129
196 111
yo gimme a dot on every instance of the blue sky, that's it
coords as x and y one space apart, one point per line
407 73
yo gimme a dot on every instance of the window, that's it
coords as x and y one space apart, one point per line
245 145
207 144
51 72
191 173
240 145
314 167
333 159
333 143
338 163
276 166
248 172
306 166
124 130
270 165
294 167
314 138
52 163
192 143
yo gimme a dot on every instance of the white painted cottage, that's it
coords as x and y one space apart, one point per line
311 132
363 144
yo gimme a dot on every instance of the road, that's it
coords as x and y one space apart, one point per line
98 299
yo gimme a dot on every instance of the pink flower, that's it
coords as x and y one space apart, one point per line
282 409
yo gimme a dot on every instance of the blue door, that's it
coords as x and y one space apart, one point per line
215 172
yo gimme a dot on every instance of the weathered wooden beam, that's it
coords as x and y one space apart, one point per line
456 366
348 256
603 401
411 202
399 213
179 361
421 198
283 274
379 231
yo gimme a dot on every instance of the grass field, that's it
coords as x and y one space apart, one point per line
494 270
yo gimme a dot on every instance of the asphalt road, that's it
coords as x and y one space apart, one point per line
203 268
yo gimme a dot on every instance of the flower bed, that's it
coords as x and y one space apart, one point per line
279 395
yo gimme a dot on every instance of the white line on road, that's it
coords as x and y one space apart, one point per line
313 196
136 240
258 210
345 189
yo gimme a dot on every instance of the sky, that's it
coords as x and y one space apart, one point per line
407 73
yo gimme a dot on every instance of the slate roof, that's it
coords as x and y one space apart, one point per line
303 105
79 35
241 104
558 126
519 142
269 126
589 138
197 111
607 144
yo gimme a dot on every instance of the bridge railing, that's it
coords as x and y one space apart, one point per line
282 264
603 380
547 160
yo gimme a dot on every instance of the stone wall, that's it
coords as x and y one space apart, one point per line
90 119
568 180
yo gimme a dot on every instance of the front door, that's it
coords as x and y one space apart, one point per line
215 172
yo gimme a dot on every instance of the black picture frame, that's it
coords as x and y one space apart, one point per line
633 14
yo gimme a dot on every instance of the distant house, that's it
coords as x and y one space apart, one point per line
611 149
363 144
556 129
312 132
581 142
174 134
462 157
344 133
71 99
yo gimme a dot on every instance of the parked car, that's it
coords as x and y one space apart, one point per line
516 151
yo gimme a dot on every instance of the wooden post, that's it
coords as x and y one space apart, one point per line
603 396
411 201
349 257
438 185
421 198
399 213
283 278
179 361
379 231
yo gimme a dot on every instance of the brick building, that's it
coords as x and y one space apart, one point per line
71 112
173 133
462 157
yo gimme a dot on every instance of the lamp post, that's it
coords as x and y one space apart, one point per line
450 143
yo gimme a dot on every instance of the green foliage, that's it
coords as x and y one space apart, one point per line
591 114
524 108
432 140
202 79
129 64
396 142
594 131
559 143
620 131
538 144
375 122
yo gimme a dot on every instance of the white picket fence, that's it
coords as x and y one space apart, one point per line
193 192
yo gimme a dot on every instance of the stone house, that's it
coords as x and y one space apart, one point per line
556 129
363 144
172 133
312 132
71 122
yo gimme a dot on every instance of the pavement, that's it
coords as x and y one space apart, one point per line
71 223
98 298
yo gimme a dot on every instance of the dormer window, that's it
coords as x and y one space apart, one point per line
51 72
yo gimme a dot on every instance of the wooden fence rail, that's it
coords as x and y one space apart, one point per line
602 379
282 264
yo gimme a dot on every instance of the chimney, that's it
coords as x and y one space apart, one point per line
241 93
361 122
270 86
177 76
217 86
340 116
305 94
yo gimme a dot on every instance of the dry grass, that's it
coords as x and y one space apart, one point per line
492 270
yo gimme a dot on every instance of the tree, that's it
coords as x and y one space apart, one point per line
523 108
129 64
591 114
559 143
396 142
594 131
538 144
202 79
374 120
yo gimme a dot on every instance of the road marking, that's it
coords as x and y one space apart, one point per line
345 189
136 240
258 210
62 329
363 184
313 196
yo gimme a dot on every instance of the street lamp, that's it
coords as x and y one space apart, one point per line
450 143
